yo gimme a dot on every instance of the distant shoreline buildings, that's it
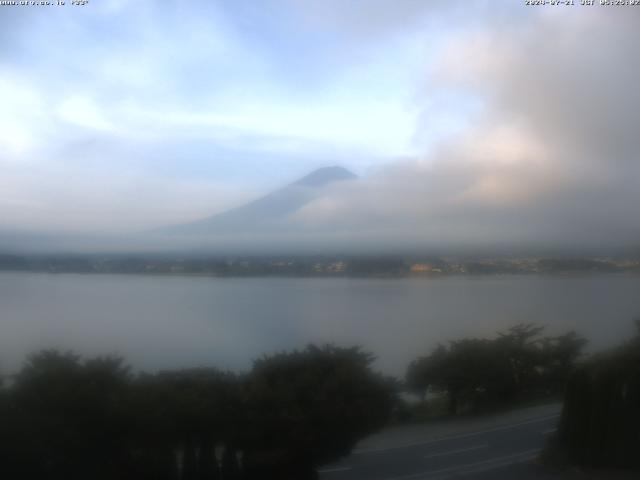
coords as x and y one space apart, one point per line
311 266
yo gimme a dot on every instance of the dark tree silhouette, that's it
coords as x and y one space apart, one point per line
183 415
68 418
600 422
310 407
428 372
479 374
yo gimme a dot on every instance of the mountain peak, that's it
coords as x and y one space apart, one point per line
324 176
269 211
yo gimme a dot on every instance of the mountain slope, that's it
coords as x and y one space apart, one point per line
268 212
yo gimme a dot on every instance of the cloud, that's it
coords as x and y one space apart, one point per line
551 158
91 206
204 92
507 123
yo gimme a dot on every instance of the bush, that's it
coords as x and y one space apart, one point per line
600 423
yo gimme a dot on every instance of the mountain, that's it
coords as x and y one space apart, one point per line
269 212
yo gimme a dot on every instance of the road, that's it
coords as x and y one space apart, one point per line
493 447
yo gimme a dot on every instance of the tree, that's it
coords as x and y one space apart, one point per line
520 346
559 357
186 411
484 373
600 422
310 407
69 417
428 372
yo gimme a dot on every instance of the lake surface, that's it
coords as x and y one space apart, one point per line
167 322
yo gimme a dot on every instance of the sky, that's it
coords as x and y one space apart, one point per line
468 122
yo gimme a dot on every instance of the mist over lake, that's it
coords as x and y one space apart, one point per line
159 322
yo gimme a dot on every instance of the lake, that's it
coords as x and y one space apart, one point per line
161 322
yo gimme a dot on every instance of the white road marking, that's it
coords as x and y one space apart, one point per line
454 452
549 432
470 468
332 470
456 437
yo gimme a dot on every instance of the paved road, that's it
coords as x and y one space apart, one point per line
496 447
